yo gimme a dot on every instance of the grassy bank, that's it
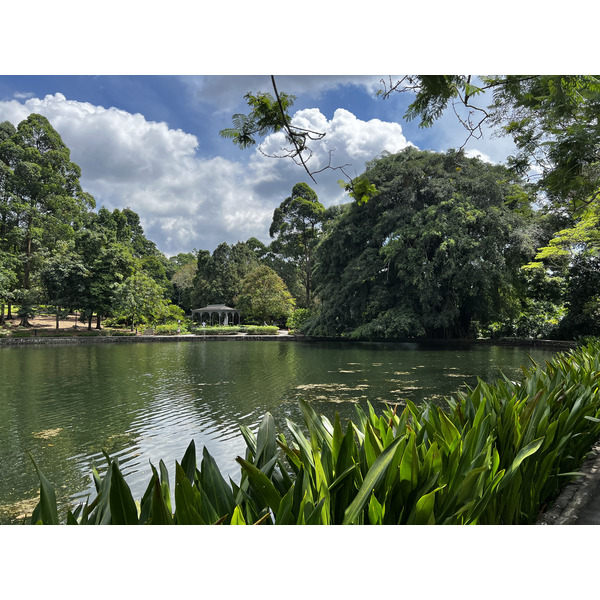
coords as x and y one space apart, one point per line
497 455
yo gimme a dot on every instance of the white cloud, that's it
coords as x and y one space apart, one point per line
349 142
186 201
478 154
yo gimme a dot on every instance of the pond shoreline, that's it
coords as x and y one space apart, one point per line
105 339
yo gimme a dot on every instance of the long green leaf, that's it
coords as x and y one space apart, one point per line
122 505
47 504
375 474
521 456
261 484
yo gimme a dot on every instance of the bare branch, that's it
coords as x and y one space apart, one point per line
291 134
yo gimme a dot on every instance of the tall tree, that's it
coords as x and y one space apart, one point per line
553 120
108 260
140 298
43 184
63 280
296 226
437 248
219 276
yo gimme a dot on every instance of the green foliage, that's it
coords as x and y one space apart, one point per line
217 330
41 196
298 318
539 320
219 276
296 227
140 298
437 248
359 188
267 116
264 296
496 456
172 328
259 329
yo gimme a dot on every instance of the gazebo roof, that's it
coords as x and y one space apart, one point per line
214 307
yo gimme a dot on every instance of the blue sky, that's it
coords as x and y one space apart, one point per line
151 143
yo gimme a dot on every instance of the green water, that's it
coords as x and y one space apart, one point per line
145 401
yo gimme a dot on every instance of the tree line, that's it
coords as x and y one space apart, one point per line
439 245
56 250
429 244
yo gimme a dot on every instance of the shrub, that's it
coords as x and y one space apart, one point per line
217 330
260 329
171 328
298 318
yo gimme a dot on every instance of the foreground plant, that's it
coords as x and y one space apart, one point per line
498 455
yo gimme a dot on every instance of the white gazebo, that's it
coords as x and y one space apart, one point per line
224 314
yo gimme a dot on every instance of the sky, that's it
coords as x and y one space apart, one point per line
152 144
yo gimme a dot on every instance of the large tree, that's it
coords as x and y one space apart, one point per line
437 248
265 297
296 226
63 278
219 275
140 298
553 120
42 196
108 258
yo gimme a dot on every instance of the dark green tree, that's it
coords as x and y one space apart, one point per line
219 275
140 298
553 120
108 260
63 281
436 249
45 199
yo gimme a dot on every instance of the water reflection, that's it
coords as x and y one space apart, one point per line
145 402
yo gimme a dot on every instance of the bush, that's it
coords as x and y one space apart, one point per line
298 318
217 330
260 329
171 328
542 321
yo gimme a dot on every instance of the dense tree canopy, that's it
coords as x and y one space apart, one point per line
219 275
553 120
437 248
264 297
41 197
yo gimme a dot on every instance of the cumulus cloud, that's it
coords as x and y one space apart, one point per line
188 201
348 144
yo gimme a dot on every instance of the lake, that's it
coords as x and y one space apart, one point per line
145 401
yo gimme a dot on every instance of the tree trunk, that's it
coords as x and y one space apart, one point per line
26 281
90 321
98 321
9 316
57 312
2 315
